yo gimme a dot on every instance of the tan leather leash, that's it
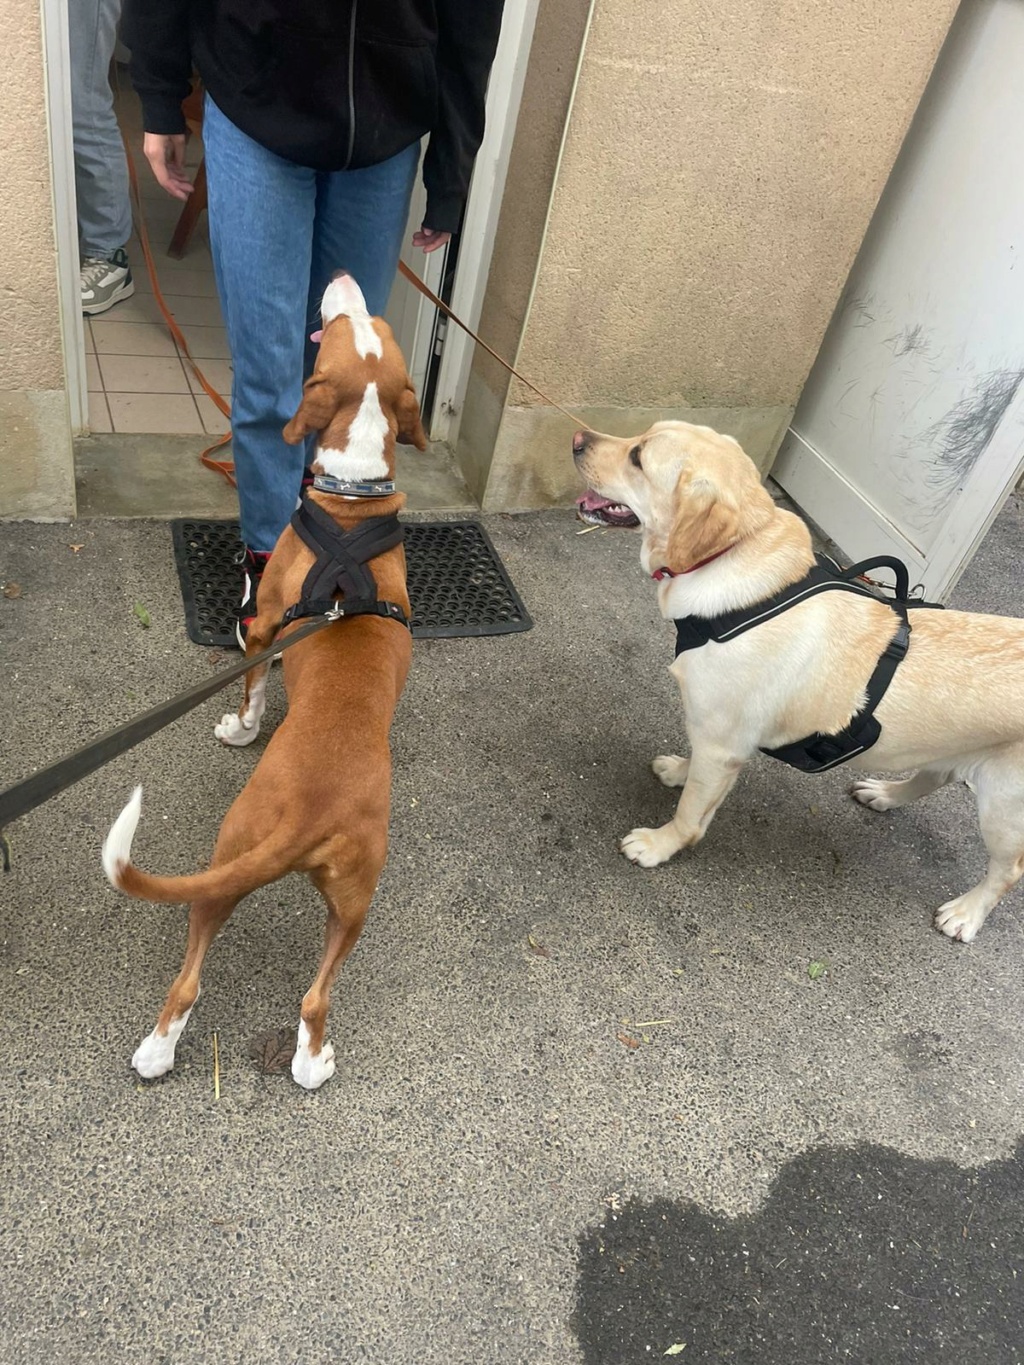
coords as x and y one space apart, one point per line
223 467
428 293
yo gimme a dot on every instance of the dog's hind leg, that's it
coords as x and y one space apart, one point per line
999 783
348 894
155 1054
881 795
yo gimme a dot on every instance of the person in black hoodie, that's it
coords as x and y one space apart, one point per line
312 124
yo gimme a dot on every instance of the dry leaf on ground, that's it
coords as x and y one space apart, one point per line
273 1052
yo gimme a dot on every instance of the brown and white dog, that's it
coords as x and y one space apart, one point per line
954 709
319 799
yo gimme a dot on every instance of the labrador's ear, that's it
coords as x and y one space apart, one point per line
316 411
410 425
707 522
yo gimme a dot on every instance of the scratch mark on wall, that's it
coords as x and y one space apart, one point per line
961 436
910 340
860 307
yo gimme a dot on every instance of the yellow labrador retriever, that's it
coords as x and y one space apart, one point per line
715 540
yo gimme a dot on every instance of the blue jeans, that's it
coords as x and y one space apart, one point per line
101 172
278 232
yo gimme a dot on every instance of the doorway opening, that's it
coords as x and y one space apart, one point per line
128 382
138 379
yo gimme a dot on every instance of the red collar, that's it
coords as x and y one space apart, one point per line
660 574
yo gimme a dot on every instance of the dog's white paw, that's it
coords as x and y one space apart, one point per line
671 770
873 792
961 918
234 731
649 847
154 1056
310 1071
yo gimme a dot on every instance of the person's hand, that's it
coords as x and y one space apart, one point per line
430 240
165 153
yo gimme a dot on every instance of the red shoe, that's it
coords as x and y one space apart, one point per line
253 563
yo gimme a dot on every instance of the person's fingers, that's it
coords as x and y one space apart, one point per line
166 156
428 240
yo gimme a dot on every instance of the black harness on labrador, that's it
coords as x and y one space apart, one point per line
340 566
817 753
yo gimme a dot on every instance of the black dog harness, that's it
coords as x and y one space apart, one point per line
819 752
340 566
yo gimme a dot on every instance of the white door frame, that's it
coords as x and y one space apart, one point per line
504 92
410 315
431 272
57 70
480 223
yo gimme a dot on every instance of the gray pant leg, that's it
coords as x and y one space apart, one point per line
101 172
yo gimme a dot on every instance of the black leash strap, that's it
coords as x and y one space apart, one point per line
901 590
33 791
340 567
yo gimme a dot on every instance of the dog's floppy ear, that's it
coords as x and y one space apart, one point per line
410 425
318 406
706 522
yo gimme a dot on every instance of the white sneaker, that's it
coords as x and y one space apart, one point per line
106 280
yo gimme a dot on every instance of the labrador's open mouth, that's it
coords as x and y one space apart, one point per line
598 511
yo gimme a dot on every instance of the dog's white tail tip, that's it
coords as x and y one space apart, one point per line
117 846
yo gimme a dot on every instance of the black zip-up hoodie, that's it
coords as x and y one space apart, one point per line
329 84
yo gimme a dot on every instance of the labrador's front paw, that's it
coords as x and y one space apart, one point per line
650 847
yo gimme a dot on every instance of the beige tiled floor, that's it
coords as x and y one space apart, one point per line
139 380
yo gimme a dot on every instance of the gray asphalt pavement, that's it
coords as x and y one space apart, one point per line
575 1100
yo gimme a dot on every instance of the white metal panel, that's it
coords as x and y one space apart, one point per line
909 431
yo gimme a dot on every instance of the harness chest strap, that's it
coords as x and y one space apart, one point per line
818 752
339 568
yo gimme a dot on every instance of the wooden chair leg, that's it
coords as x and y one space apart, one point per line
195 205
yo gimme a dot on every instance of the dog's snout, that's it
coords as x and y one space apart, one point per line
580 441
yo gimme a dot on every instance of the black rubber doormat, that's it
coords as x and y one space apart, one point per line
458 586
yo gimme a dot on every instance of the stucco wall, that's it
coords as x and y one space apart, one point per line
35 453
720 169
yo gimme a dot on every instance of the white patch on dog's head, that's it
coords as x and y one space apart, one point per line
367 342
363 456
344 298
